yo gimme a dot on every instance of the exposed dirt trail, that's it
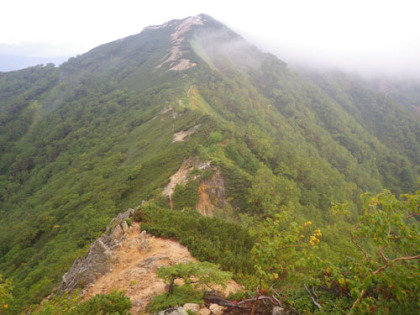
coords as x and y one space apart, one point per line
135 271
139 257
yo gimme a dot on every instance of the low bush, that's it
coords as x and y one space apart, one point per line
208 239
101 304
180 296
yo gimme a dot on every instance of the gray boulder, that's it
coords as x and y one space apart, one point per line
173 311
100 259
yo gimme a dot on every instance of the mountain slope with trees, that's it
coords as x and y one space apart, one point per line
95 136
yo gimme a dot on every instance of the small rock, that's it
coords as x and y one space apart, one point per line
151 262
117 233
132 243
124 226
204 311
143 235
173 311
217 309
179 311
114 260
138 303
144 246
192 307
278 311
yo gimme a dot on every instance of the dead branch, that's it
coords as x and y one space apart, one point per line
358 246
215 299
312 298
274 301
362 293
383 256
393 261
256 300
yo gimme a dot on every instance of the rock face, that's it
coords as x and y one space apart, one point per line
100 258
174 57
139 255
127 259
212 191
181 135
212 194
182 176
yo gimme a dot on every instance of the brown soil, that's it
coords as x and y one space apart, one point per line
211 195
138 259
204 205
135 271
180 136
176 49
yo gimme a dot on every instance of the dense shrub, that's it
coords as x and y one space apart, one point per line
101 304
208 239
180 296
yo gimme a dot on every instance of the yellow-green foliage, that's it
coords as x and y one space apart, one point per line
179 296
204 274
100 304
86 140
377 271
208 239
6 296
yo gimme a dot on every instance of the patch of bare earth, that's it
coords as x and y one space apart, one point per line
211 194
181 135
173 58
183 65
135 272
139 257
182 175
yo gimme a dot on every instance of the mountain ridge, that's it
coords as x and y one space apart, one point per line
82 141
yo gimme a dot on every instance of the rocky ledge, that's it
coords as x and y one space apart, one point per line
100 258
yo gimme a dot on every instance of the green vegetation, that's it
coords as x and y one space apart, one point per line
6 296
203 273
100 304
208 239
186 196
84 141
373 269
180 296
196 277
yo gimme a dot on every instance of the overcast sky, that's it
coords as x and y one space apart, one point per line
370 35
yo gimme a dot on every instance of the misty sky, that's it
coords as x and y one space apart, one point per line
366 35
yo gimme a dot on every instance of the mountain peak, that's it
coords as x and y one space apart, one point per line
190 20
175 57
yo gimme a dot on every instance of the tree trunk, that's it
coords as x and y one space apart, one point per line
256 300
171 286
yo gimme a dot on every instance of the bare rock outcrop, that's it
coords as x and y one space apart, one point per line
174 57
127 258
100 258
173 311
182 176
212 194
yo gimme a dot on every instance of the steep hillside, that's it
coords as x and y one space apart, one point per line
107 130
126 258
